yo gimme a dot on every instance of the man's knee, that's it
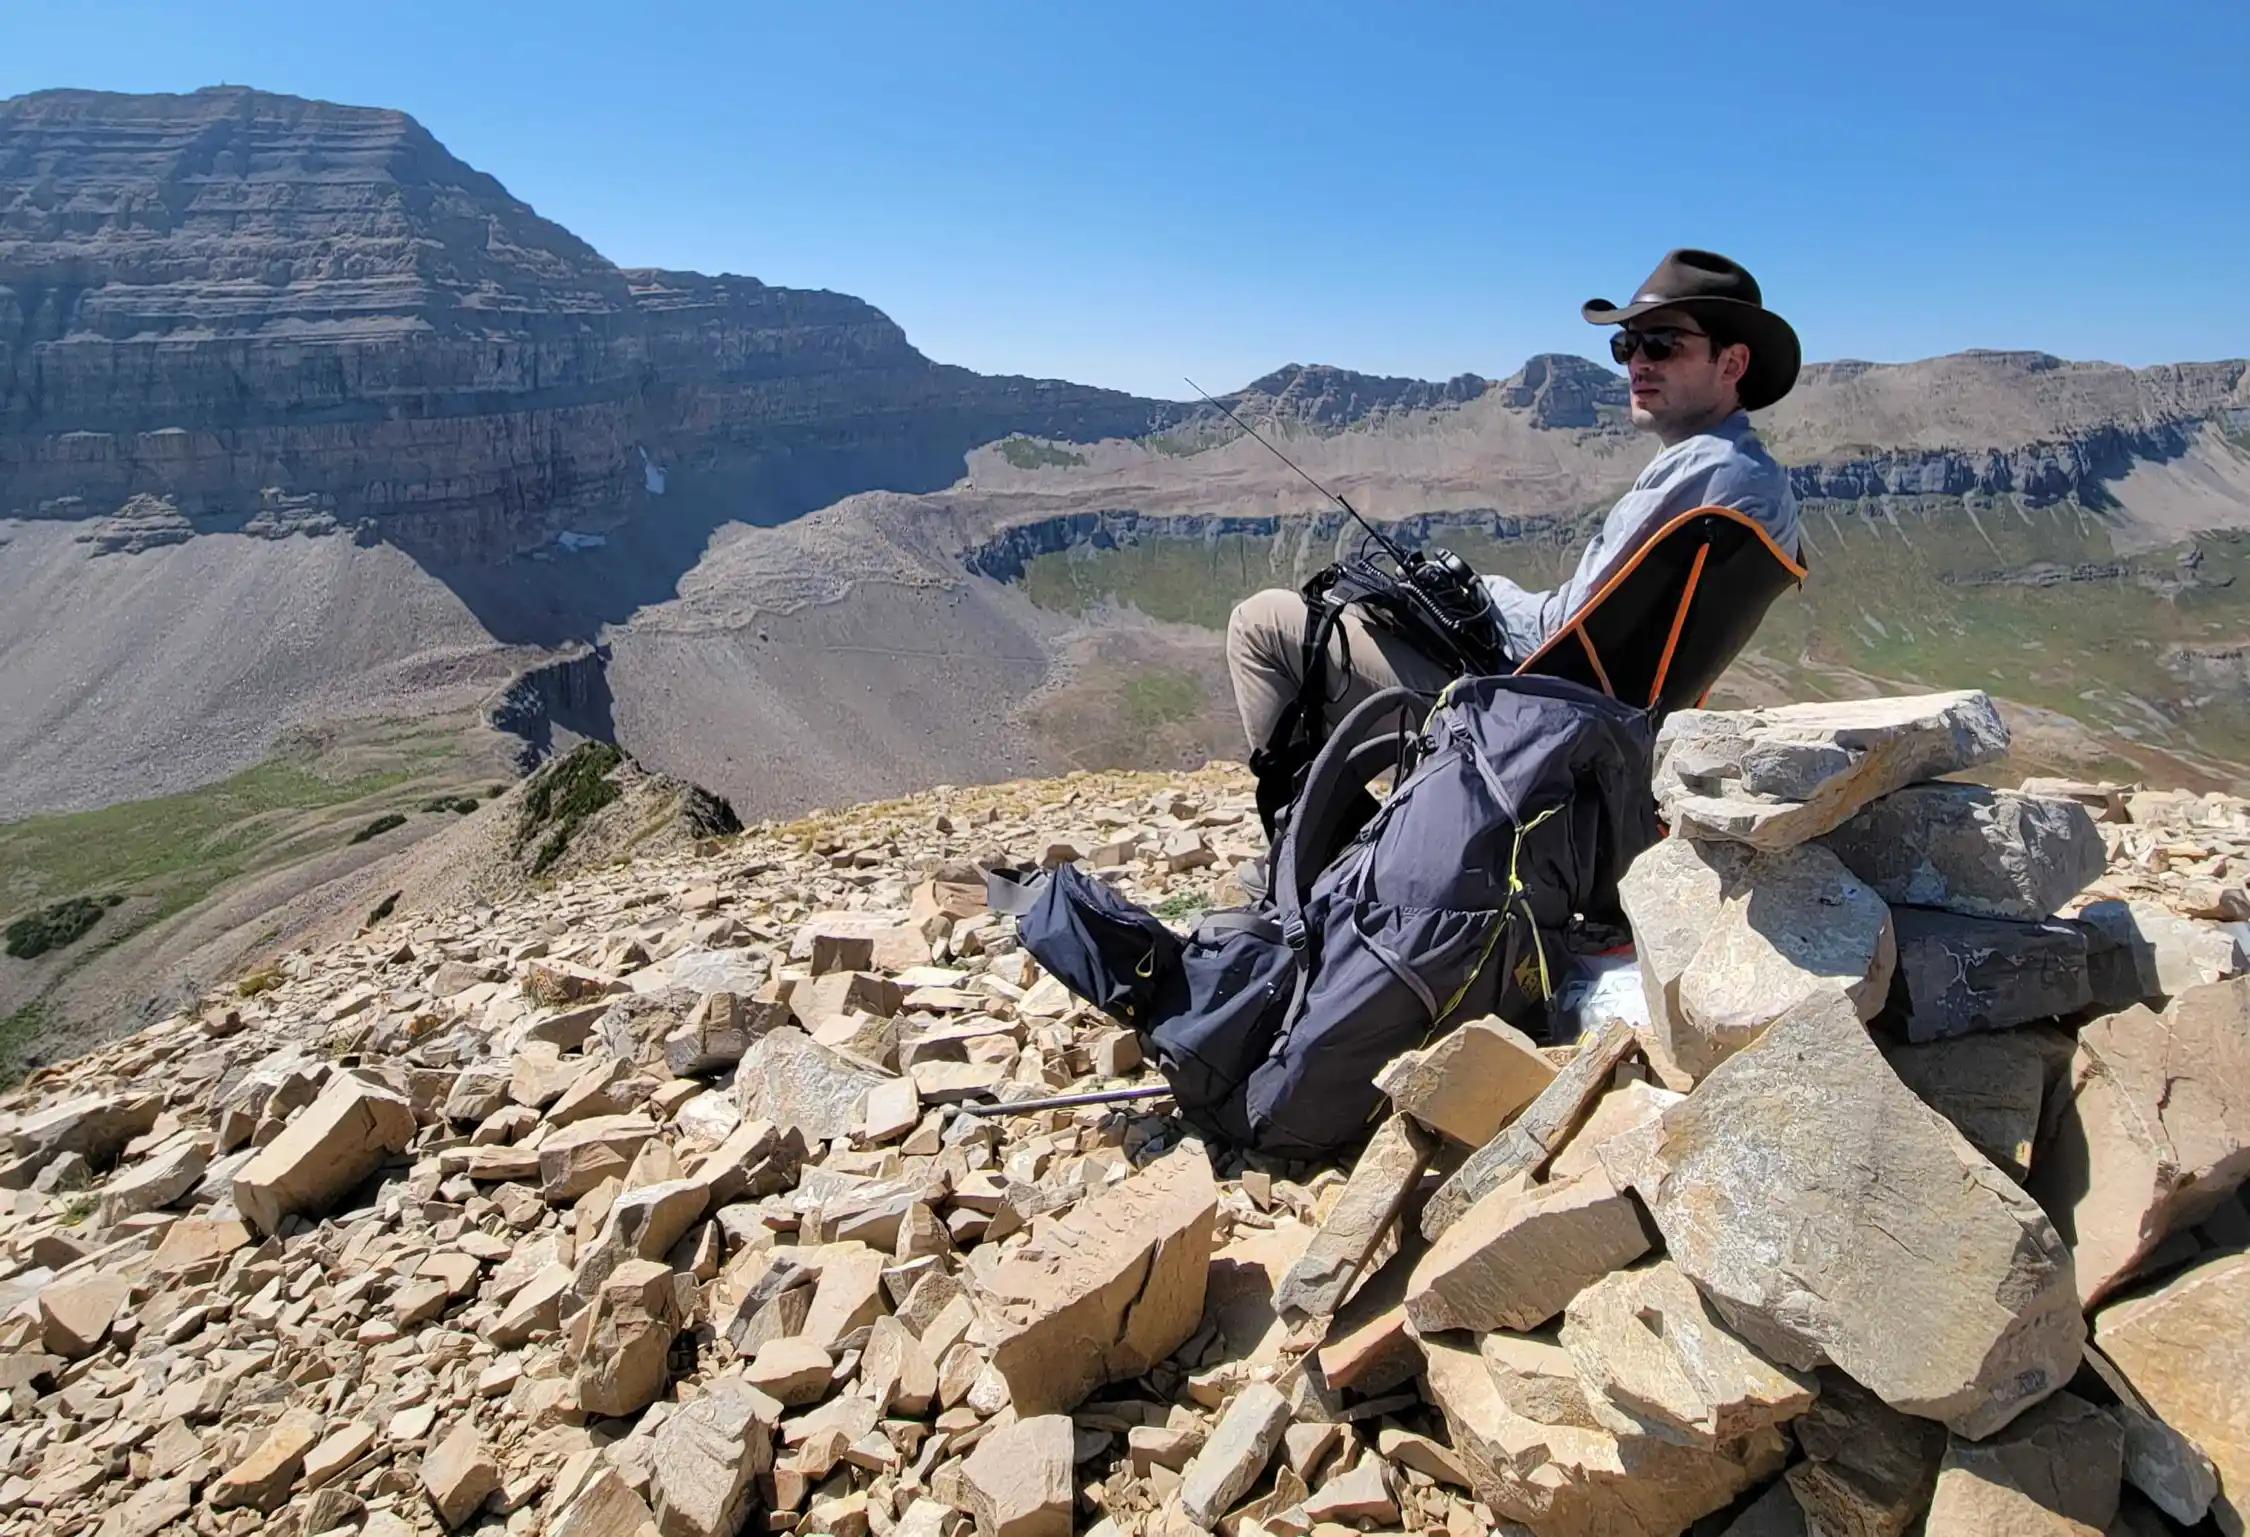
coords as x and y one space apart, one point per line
1267 628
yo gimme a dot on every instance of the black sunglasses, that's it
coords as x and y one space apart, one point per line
1656 343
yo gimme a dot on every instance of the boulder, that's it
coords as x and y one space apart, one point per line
2151 1132
1775 777
792 1080
1106 1290
1655 1360
1519 1255
1727 938
1235 1455
620 1344
75 1312
94 1126
706 1458
1867 1468
1957 975
1828 1214
262 1479
1020 1479
1542 1459
1967 849
2056 1469
157 1181
1990 1086
1379 1183
2186 1354
1469 1084
458 1474
331 1145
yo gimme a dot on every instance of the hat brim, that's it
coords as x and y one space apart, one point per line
1775 356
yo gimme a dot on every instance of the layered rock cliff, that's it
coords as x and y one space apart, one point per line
232 301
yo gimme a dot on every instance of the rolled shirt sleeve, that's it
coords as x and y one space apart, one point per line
1725 467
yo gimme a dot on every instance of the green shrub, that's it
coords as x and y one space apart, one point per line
1031 454
264 980
1180 904
460 805
17 1032
379 826
55 926
560 797
384 909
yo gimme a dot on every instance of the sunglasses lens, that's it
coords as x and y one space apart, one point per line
1656 345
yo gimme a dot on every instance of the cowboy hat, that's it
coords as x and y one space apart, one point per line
1705 283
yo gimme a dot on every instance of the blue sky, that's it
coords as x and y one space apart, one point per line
1126 193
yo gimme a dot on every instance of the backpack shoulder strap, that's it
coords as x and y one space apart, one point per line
1364 744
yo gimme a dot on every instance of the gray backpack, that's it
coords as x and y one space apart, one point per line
1517 807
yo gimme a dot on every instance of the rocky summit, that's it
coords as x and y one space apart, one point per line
679 1194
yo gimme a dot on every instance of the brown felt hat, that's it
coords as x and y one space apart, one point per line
1704 283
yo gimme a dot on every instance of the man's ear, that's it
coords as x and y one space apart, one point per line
1734 362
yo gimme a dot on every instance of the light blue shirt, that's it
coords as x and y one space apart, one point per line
1724 467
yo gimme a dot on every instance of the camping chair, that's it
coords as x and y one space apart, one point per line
1645 639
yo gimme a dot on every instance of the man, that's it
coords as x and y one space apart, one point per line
1701 351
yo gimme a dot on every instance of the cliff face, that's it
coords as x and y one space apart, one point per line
233 301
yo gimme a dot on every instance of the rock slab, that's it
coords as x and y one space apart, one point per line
1957 975
1115 1285
2186 1352
1829 1215
338 1140
1968 849
1774 777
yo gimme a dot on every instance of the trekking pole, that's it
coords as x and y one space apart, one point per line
1067 1101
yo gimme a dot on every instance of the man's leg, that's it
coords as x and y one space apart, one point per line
1266 654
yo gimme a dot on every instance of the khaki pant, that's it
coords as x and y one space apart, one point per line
1265 660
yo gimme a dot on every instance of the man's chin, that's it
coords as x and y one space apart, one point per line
1643 418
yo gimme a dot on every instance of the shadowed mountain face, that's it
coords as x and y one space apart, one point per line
234 311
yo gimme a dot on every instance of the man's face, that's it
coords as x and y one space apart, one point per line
1691 388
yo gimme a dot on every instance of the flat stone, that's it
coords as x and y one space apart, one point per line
1020 1480
157 1181
2160 1462
794 1371
1828 1214
1728 938
1520 1254
1379 1183
1655 1360
95 1126
1867 1468
75 1312
1778 776
1469 1084
1235 1454
796 1083
459 1474
262 1479
705 1460
2152 1131
578 1157
2184 1350
337 1451
1968 849
719 1031
1957 975
1109 1289
193 1242
1624 1110
896 1371
1989 1086
603 1506
329 1147
1359 1493
1529 1141
2056 1468
849 1293
153 1507
601 1088
1534 1453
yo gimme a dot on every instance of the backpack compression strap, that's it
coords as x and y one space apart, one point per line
1365 744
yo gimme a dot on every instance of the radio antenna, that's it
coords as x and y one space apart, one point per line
1390 546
